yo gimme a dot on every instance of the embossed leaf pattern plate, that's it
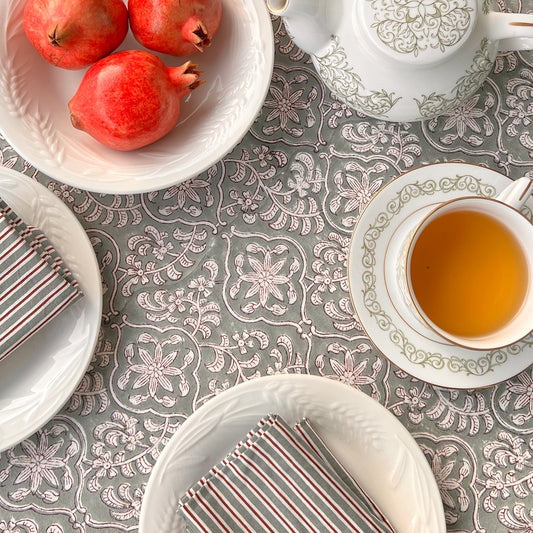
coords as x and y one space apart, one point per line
39 377
366 438
435 362
34 116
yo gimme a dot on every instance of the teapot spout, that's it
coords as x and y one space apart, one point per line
305 21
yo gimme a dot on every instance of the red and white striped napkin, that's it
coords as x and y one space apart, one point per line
280 479
35 285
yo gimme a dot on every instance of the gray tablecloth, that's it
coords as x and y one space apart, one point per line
247 263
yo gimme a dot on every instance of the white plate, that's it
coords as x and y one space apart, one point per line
40 376
34 117
424 356
370 442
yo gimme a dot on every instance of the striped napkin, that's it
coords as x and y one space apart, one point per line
35 285
280 479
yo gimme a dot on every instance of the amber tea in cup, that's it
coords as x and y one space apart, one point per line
469 270
469 273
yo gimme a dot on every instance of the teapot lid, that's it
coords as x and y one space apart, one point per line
419 32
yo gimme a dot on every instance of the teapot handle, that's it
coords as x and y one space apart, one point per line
512 31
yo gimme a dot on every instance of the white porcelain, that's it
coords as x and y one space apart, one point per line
377 264
34 117
41 375
505 208
368 440
403 61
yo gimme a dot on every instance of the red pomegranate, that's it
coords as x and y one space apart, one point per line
177 27
131 99
73 34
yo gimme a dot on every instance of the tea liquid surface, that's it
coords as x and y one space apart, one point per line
469 274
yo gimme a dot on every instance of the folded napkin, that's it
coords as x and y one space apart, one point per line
35 285
280 479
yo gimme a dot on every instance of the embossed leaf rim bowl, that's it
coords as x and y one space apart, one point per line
34 117
368 440
42 373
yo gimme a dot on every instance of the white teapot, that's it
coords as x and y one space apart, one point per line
403 60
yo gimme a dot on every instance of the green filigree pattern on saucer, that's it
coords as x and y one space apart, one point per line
412 26
435 104
335 70
486 361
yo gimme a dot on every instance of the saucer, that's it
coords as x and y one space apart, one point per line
368 440
406 343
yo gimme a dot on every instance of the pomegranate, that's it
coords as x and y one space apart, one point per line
73 34
177 27
130 99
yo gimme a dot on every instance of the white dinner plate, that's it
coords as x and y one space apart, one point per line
34 117
373 261
371 443
40 375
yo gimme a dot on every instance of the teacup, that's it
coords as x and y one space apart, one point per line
465 270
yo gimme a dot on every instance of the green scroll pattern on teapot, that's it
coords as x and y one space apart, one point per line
434 104
409 27
336 71
338 74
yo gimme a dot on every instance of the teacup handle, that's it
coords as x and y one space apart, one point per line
516 194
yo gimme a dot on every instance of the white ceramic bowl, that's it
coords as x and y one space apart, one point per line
42 373
34 116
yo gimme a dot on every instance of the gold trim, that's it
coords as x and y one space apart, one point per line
282 6
526 191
